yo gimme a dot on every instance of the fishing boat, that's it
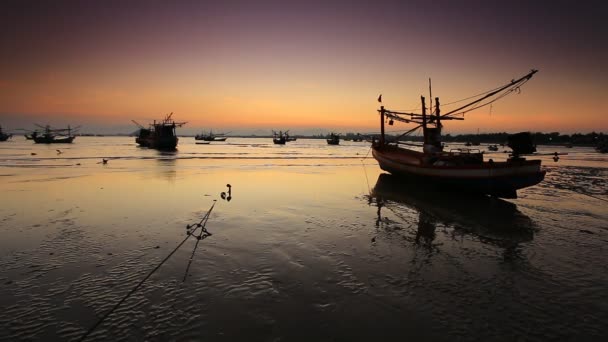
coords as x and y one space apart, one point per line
280 137
334 139
211 136
460 169
602 146
4 136
30 136
159 135
52 135
492 148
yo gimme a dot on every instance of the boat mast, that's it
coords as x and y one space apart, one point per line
422 99
381 125
438 113
430 97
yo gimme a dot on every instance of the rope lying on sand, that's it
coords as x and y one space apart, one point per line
201 225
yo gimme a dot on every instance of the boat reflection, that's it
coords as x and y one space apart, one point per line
490 220
166 165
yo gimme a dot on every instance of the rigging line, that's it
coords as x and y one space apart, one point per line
142 281
486 103
408 132
507 92
512 84
370 133
470 97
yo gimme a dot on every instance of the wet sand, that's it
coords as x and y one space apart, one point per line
321 245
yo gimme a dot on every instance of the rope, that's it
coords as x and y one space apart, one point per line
198 239
146 278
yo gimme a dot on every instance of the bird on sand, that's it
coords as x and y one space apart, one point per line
59 151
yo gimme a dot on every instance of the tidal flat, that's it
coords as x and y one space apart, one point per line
309 242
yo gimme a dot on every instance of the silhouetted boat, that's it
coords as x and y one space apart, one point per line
460 169
51 135
211 137
602 146
30 136
160 135
280 137
492 148
4 136
334 139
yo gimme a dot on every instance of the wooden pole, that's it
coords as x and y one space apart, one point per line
438 113
430 97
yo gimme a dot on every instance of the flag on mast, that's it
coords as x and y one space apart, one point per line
380 98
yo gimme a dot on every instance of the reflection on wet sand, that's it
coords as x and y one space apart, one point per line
490 220
167 165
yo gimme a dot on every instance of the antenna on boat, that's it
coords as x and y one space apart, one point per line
430 97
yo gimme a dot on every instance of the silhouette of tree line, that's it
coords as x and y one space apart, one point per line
553 138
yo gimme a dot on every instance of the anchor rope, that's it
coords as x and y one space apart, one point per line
196 226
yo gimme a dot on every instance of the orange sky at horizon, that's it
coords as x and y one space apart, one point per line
235 65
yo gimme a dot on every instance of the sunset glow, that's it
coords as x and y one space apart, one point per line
247 66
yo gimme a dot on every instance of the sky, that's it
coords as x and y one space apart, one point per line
308 66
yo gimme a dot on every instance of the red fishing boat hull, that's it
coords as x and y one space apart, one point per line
498 179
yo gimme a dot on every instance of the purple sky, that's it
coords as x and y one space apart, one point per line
265 64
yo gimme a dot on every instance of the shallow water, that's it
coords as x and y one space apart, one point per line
316 243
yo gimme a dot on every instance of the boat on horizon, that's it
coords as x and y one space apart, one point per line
280 137
460 169
50 135
602 146
159 135
4 136
333 139
211 136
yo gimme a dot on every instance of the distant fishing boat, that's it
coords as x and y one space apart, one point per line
51 135
334 139
492 148
211 137
280 137
459 169
4 136
602 146
31 136
159 135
